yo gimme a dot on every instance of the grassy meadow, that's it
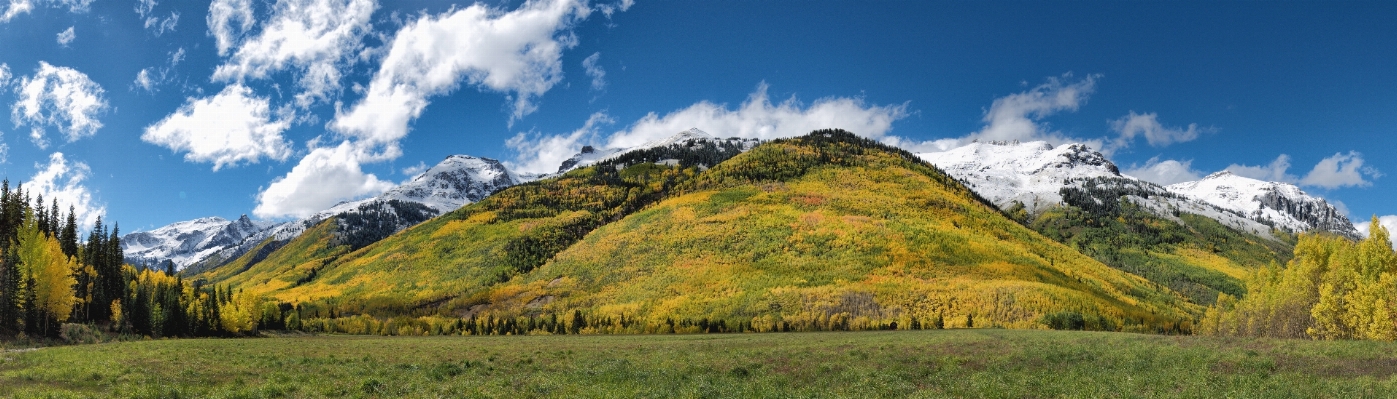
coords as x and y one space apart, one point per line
942 363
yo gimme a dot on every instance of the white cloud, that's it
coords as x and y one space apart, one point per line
414 170
160 26
756 118
61 97
1340 170
149 79
15 7
1388 222
145 79
1019 116
543 154
228 21
1276 171
323 178
314 36
1164 172
4 75
67 36
518 53
595 71
231 128
759 118
1133 125
176 57
62 179
619 6
146 8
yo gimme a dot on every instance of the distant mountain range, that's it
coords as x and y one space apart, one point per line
1035 173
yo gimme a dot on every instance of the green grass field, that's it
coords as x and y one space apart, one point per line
946 363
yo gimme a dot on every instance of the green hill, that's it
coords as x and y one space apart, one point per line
827 231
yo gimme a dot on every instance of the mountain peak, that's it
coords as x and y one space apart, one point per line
1031 173
1281 204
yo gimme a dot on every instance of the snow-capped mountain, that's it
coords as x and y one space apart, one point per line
1035 174
188 241
1281 204
1031 173
450 184
688 138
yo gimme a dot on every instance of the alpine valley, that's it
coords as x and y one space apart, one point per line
827 231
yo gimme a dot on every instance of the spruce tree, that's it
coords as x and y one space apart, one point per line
69 235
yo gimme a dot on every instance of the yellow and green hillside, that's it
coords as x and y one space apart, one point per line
826 231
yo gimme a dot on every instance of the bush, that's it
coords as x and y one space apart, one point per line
75 333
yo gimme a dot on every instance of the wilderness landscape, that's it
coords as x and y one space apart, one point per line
353 198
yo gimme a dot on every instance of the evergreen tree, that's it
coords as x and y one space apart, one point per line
69 236
11 297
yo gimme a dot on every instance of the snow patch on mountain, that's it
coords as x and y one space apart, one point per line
454 182
1031 173
1282 204
1035 173
188 241
590 156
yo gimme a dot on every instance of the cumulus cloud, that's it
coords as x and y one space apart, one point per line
595 71
758 117
4 75
62 179
1388 222
228 21
60 97
544 153
326 176
146 79
231 128
315 37
1019 117
1275 171
1164 172
1147 125
67 36
1341 170
517 53
1337 171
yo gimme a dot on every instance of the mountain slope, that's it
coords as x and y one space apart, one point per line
824 232
1281 204
1029 173
186 242
455 181
480 244
677 143
1077 197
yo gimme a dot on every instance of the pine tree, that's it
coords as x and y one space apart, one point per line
69 236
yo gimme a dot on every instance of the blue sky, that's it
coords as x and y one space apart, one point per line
152 112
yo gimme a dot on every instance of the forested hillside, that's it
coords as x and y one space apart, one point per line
1192 254
53 285
827 231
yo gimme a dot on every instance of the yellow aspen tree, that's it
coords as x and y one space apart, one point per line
43 261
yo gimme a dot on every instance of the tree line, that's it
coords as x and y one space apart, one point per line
52 284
